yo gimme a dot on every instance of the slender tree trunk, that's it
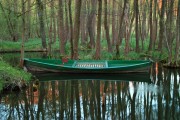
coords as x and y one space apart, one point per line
28 19
126 18
54 28
161 25
61 28
47 23
23 33
41 22
90 24
177 33
77 28
98 39
71 29
83 23
129 30
66 23
155 24
107 28
15 21
151 25
169 29
143 23
136 6
51 27
120 34
114 33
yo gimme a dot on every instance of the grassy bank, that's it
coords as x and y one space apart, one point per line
31 44
86 53
12 77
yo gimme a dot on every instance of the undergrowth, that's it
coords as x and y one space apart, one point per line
12 76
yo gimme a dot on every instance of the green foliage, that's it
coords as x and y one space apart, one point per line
157 55
32 44
11 75
106 55
86 54
133 56
1 85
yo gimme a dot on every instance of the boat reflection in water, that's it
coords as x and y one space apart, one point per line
91 96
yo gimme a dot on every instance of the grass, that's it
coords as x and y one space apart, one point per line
8 45
86 53
12 76
31 44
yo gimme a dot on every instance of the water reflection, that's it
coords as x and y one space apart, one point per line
130 97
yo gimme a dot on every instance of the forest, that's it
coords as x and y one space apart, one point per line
117 28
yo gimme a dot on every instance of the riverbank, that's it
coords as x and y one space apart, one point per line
34 45
11 77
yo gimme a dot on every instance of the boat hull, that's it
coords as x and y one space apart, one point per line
107 67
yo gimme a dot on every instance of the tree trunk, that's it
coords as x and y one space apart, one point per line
66 23
71 29
143 23
169 29
161 25
28 19
41 22
15 22
151 26
98 39
120 34
83 23
90 24
114 33
54 28
126 19
177 33
61 28
23 34
136 6
77 28
107 28
155 24
51 27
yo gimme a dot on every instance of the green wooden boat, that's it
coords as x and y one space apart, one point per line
86 66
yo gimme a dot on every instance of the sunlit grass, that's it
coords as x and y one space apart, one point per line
8 45
31 44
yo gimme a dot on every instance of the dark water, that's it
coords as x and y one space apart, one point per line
154 96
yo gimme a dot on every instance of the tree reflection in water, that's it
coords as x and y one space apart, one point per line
97 99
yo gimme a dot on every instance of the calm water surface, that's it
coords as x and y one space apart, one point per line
154 96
